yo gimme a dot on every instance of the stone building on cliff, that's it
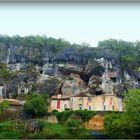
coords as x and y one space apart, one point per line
87 101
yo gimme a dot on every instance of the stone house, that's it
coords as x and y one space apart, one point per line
87 101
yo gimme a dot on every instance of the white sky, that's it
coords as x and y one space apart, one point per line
75 22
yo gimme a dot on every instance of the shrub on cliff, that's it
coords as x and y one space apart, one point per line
3 106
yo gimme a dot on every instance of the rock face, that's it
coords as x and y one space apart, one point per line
132 78
67 71
94 85
73 85
33 126
21 84
1 91
95 123
107 85
52 119
49 85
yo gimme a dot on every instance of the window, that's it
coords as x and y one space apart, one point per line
104 107
89 107
113 107
80 107
110 101
89 99
65 106
103 99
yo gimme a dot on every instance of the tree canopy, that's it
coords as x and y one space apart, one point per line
126 124
35 105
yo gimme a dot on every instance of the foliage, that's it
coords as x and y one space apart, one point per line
35 105
132 103
85 114
74 125
58 131
8 131
11 135
138 69
16 130
54 111
129 52
63 116
31 67
57 44
126 124
3 105
47 133
6 74
42 124
84 134
34 47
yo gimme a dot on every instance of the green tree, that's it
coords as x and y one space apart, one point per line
74 125
126 124
35 105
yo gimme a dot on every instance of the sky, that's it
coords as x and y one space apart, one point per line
74 22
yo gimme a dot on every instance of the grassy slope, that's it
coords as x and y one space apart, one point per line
7 131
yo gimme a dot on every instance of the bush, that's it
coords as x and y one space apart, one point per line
85 114
85 135
54 111
74 125
6 126
42 124
119 126
47 133
3 105
35 105
67 109
31 135
63 116
126 124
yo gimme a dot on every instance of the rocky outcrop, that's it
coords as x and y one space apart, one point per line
73 85
21 84
51 119
132 78
48 85
13 102
95 123
33 126
94 85
90 68
107 85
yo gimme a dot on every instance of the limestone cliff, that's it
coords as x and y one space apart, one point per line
66 70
